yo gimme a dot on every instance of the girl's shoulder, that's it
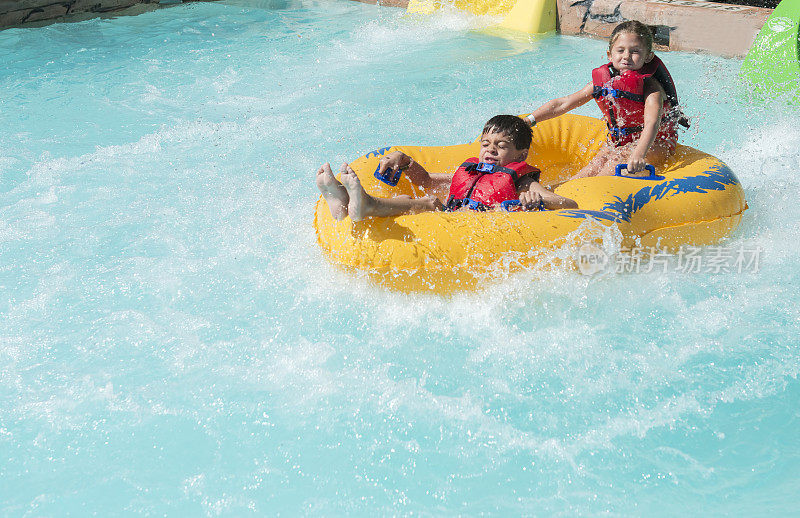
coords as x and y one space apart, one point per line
652 85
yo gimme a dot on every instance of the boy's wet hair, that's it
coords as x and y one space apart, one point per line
518 131
633 27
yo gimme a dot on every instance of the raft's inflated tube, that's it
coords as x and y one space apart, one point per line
696 199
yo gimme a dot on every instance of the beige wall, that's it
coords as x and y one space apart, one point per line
690 25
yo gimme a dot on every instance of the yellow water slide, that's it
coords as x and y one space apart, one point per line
529 16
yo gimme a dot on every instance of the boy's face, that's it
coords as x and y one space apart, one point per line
629 52
497 148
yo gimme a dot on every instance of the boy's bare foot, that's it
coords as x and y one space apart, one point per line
360 201
333 192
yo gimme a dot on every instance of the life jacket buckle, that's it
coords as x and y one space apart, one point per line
615 132
475 205
607 92
459 203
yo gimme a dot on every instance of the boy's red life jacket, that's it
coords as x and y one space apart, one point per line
482 186
620 97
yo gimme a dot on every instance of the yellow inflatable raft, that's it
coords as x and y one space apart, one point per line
697 201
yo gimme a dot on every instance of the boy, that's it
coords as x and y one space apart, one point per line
504 146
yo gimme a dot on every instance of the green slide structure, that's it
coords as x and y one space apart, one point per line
772 67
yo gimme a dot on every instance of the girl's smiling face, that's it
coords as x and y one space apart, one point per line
629 52
497 148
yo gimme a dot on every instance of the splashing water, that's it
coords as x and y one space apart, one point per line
173 342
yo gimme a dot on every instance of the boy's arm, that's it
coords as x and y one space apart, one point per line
440 181
415 172
653 109
531 194
562 105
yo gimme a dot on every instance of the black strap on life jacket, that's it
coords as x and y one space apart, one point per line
677 115
616 133
662 76
600 91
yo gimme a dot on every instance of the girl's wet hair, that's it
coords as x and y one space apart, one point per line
518 131
633 27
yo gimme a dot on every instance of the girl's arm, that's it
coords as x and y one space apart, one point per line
562 105
653 109
532 193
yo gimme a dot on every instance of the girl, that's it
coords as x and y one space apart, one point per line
638 99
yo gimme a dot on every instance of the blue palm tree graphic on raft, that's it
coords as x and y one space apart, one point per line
378 152
717 178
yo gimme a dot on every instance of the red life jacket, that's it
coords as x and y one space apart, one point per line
482 186
620 97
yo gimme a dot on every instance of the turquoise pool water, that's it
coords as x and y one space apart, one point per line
172 341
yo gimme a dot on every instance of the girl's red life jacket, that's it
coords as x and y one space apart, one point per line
620 97
482 186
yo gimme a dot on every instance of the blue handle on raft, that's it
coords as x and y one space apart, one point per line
651 169
506 205
389 176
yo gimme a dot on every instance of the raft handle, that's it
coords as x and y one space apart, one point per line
390 176
648 167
